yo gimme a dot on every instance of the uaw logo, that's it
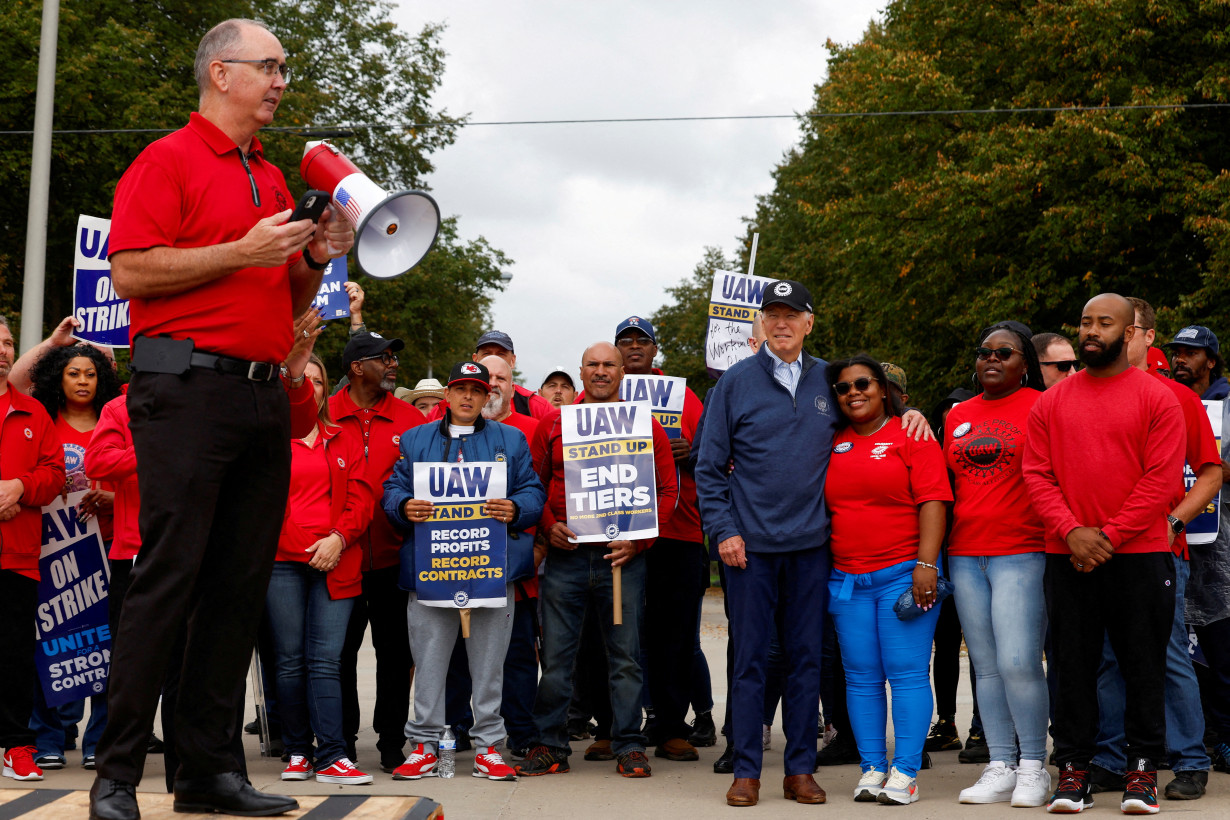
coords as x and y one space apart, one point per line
988 456
98 685
844 447
612 531
396 440
880 450
499 456
1187 333
961 430
341 463
469 369
782 288
461 598
74 459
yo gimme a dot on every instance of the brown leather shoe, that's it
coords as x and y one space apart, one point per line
677 749
599 750
803 788
745 791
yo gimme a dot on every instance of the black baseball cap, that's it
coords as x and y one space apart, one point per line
470 372
636 323
787 292
495 337
365 344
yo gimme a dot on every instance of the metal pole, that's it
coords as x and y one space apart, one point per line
751 262
40 181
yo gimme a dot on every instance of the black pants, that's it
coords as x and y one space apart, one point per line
382 603
1215 641
18 602
214 452
672 595
1130 600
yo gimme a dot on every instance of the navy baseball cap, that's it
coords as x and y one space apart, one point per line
495 337
1196 336
472 372
636 323
365 345
787 292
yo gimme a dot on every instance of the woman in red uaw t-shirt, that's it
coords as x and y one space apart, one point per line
886 495
995 553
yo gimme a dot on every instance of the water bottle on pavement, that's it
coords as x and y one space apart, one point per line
448 755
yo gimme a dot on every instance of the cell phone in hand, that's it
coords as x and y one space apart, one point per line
311 205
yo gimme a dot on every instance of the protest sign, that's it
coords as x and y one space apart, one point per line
1203 528
460 555
662 393
102 313
332 301
609 485
74 641
733 304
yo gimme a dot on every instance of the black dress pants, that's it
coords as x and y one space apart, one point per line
672 614
18 601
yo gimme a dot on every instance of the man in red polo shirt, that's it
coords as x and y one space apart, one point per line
368 404
215 275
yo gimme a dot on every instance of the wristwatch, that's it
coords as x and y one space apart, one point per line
1176 525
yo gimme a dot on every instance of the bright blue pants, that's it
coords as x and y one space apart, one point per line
877 647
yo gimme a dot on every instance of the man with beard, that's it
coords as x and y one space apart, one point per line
367 403
1103 452
1197 361
499 406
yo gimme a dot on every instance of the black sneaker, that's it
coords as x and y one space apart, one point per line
926 761
943 737
543 760
1104 780
1187 785
1140 789
650 729
1072 793
975 750
580 729
704 733
155 745
726 763
1221 757
841 752
633 764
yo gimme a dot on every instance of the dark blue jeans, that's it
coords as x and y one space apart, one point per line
308 629
573 579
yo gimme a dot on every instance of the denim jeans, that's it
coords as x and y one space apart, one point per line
573 579
1002 606
878 647
1184 717
309 629
49 723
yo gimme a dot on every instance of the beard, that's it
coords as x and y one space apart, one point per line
1103 357
495 406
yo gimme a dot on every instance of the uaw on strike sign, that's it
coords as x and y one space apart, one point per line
460 555
100 310
663 393
609 484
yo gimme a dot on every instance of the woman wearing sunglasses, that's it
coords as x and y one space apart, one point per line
886 494
996 557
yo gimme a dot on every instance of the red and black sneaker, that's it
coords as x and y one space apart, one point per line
543 760
1072 794
19 764
1140 789
633 764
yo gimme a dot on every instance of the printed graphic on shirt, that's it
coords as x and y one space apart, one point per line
880 450
989 451
74 466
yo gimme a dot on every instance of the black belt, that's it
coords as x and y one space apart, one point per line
255 371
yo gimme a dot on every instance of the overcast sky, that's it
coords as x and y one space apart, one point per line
601 218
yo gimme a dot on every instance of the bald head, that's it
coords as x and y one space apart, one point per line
1111 304
1107 325
602 369
499 402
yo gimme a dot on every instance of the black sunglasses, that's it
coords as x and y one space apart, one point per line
1001 353
860 384
1063 366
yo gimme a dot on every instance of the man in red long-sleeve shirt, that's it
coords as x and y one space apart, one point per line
578 575
1103 455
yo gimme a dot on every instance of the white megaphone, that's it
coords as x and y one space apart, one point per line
393 230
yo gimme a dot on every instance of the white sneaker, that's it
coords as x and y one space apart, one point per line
995 786
900 789
1033 785
869 786
766 737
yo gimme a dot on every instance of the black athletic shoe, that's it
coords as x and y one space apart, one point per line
1140 789
975 750
1104 780
543 760
1072 793
841 752
726 763
1187 785
704 733
1221 757
943 737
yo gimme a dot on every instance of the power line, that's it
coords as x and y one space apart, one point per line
729 118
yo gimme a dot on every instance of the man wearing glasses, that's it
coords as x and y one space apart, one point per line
1056 356
201 247
368 404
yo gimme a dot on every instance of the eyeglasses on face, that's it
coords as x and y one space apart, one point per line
268 65
1001 353
389 359
631 340
862 384
1064 366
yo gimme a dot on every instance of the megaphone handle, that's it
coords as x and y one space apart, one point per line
333 250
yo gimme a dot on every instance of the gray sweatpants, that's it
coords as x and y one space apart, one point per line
434 631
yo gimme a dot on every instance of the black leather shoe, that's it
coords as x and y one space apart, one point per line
726 763
113 800
228 793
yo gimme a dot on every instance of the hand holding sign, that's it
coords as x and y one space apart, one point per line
561 537
501 509
621 552
417 509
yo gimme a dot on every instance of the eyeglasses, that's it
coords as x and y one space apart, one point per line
389 359
630 340
861 384
1001 353
1063 366
269 66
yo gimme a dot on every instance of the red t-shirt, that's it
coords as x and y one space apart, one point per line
874 487
1200 447
190 190
310 492
985 441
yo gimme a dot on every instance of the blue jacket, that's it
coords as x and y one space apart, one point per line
491 441
1217 391
779 447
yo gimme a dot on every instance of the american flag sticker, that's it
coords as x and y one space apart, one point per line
349 205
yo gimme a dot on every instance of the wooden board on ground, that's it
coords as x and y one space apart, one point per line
53 804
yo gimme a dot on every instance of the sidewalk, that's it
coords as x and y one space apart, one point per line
676 790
